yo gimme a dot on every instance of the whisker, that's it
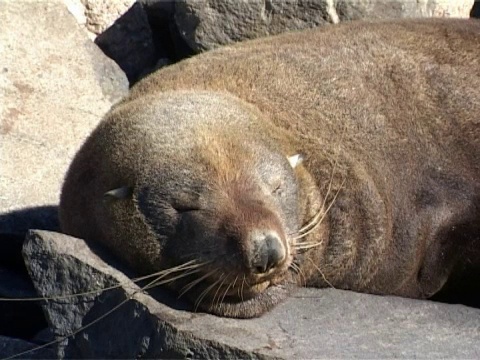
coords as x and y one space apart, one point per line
195 282
241 289
190 268
313 223
190 264
235 281
321 273
329 188
223 278
225 293
156 282
231 285
299 271
204 293
82 328
324 215
314 220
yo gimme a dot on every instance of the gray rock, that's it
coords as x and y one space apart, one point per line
18 319
129 42
55 85
387 9
11 347
313 323
205 24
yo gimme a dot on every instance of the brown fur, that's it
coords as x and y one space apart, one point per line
386 116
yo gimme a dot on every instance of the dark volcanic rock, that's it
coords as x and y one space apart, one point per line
313 323
11 347
128 41
18 319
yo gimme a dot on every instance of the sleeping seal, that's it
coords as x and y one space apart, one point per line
345 156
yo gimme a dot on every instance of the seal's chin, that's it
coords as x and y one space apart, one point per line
254 306
242 300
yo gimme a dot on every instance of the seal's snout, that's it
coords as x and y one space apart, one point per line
267 251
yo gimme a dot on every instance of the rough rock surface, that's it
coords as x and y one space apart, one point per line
55 85
135 34
205 24
11 347
129 42
101 14
312 323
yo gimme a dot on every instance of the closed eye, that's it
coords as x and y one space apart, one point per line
185 208
277 189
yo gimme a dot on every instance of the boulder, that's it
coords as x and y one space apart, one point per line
129 42
205 24
55 86
127 33
121 29
20 349
18 319
101 14
313 323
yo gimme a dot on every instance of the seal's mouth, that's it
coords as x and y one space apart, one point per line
233 295
255 305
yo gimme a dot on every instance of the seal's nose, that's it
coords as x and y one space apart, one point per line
268 252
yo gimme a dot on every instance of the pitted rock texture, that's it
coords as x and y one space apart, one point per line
312 323
205 24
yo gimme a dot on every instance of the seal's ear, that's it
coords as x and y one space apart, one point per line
295 160
123 192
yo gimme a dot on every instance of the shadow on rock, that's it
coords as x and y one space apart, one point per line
20 319
475 12
18 222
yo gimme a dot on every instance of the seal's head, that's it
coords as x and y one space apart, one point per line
204 189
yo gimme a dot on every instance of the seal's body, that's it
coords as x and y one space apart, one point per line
346 156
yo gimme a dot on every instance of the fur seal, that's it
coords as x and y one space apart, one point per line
345 156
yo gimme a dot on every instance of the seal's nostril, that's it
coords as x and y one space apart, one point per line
269 252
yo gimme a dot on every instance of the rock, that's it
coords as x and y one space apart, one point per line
134 34
18 319
385 9
205 24
312 323
77 9
15 347
169 43
18 222
129 42
55 86
101 14
475 12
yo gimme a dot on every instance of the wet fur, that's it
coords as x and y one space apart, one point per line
386 116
